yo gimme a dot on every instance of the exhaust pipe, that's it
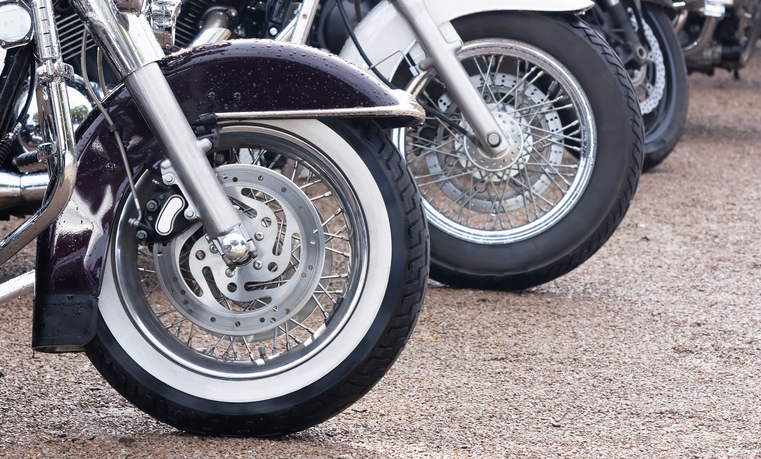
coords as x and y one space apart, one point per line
18 189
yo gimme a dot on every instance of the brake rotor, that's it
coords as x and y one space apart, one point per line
650 90
275 286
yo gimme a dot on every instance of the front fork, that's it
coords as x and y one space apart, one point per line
621 21
494 142
128 41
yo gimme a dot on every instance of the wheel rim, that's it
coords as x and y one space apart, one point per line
259 320
488 205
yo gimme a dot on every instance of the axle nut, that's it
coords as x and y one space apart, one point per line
234 246
493 139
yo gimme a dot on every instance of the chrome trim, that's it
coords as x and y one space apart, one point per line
20 285
303 21
216 22
163 18
126 39
19 188
57 122
212 35
297 30
406 107
15 24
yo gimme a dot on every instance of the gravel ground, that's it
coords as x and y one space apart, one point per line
650 349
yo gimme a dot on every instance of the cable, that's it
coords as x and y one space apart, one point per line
354 40
112 128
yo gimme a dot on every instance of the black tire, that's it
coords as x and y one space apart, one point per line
664 122
365 320
562 244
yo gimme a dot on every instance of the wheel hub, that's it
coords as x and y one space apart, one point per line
513 135
273 287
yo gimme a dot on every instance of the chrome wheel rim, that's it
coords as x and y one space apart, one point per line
499 205
259 320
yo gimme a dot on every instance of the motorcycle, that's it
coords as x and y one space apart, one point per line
642 35
718 34
538 209
214 291
532 146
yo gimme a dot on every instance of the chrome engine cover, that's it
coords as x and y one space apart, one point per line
15 24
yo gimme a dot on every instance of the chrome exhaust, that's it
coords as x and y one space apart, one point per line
18 189
17 286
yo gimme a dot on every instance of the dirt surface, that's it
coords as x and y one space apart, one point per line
650 349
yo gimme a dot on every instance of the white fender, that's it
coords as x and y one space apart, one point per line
385 36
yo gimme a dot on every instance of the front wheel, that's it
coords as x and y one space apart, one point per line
563 96
306 327
661 83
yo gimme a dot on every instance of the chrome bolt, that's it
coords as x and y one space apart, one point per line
169 179
493 139
141 235
273 31
258 264
213 248
229 272
152 205
190 214
259 236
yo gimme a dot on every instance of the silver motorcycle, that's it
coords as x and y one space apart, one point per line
216 291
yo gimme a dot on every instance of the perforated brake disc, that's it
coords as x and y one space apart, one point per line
650 80
272 288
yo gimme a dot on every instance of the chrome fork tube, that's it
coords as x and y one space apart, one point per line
149 89
128 41
442 54
55 119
